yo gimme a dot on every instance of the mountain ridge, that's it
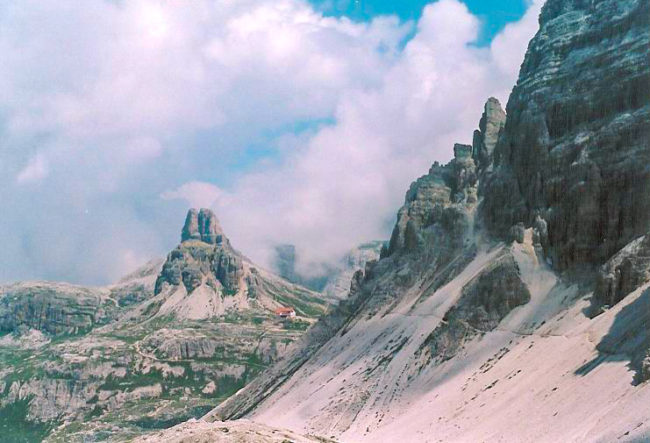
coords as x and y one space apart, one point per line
481 313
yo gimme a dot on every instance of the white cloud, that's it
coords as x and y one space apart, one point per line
345 186
147 68
509 46
197 194
129 99
36 170
140 149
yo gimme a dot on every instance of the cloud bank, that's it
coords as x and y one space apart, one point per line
295 127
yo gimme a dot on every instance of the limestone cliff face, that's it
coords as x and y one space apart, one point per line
438 207
52 308
574 150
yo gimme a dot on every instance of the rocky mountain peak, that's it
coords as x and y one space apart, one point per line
202 225
204 276
485 138
204 256
438 206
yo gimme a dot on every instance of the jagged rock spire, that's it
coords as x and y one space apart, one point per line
202 225
485 138
192 264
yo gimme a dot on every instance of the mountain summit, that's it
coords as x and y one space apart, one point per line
206 277
202 225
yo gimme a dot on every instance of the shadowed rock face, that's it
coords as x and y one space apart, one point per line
484 302
575 150
622 274
486 137
228 268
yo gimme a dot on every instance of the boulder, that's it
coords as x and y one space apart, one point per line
645 369
517 233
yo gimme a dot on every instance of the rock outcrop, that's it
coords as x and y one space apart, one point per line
484 302
202 225
438 208
54 308
203 257
574 150
487 136
645 369
622 274
205 277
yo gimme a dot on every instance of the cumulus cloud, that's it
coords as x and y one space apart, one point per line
346 183
196 194
295 127
508 47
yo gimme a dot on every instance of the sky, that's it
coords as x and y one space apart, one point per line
494 14
297 122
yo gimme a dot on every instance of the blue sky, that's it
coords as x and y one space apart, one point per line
115 117
495 14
